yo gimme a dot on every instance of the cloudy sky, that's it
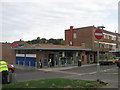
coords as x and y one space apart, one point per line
29 19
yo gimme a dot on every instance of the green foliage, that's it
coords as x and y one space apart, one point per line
62 42
44 40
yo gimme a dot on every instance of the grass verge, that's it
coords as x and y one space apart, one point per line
56 83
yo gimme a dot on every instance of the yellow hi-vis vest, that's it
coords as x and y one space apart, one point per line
3 66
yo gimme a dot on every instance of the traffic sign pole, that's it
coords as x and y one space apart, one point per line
98 65
98 34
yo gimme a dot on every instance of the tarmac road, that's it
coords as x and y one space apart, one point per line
109 74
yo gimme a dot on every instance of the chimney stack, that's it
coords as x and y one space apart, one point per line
71 35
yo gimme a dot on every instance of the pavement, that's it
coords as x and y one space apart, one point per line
27 68
21 67
64 68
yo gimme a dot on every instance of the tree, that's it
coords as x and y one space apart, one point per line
62 42
51 40
43 40
38 40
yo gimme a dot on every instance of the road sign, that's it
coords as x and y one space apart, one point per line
98 34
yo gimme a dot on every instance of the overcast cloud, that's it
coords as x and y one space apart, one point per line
30 19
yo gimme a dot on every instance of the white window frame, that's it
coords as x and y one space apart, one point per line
107 36
119 39
74 35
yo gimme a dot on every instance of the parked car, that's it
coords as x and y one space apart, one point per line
118 63
11 68
117 58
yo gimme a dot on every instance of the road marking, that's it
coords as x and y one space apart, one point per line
111 73
106 70
74 73
92 73
78 74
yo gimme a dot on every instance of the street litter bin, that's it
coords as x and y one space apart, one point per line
12 77
79 63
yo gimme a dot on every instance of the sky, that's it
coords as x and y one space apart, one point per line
29 19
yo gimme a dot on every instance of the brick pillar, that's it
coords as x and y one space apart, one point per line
38 57
83 57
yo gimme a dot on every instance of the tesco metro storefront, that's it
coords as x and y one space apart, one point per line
60 55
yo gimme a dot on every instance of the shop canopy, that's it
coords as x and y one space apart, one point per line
50 47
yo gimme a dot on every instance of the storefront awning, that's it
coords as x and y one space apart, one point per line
50 48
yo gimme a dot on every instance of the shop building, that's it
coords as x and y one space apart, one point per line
60 55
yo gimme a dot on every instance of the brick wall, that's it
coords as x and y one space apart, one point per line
8 54
84 36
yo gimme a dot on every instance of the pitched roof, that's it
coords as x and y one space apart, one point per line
51 47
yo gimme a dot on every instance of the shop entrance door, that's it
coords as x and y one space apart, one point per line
51 56
88 57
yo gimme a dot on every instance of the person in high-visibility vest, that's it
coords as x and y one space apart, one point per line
4 71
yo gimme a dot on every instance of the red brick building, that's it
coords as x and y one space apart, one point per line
85 37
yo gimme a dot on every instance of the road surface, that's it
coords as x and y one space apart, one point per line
108 73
